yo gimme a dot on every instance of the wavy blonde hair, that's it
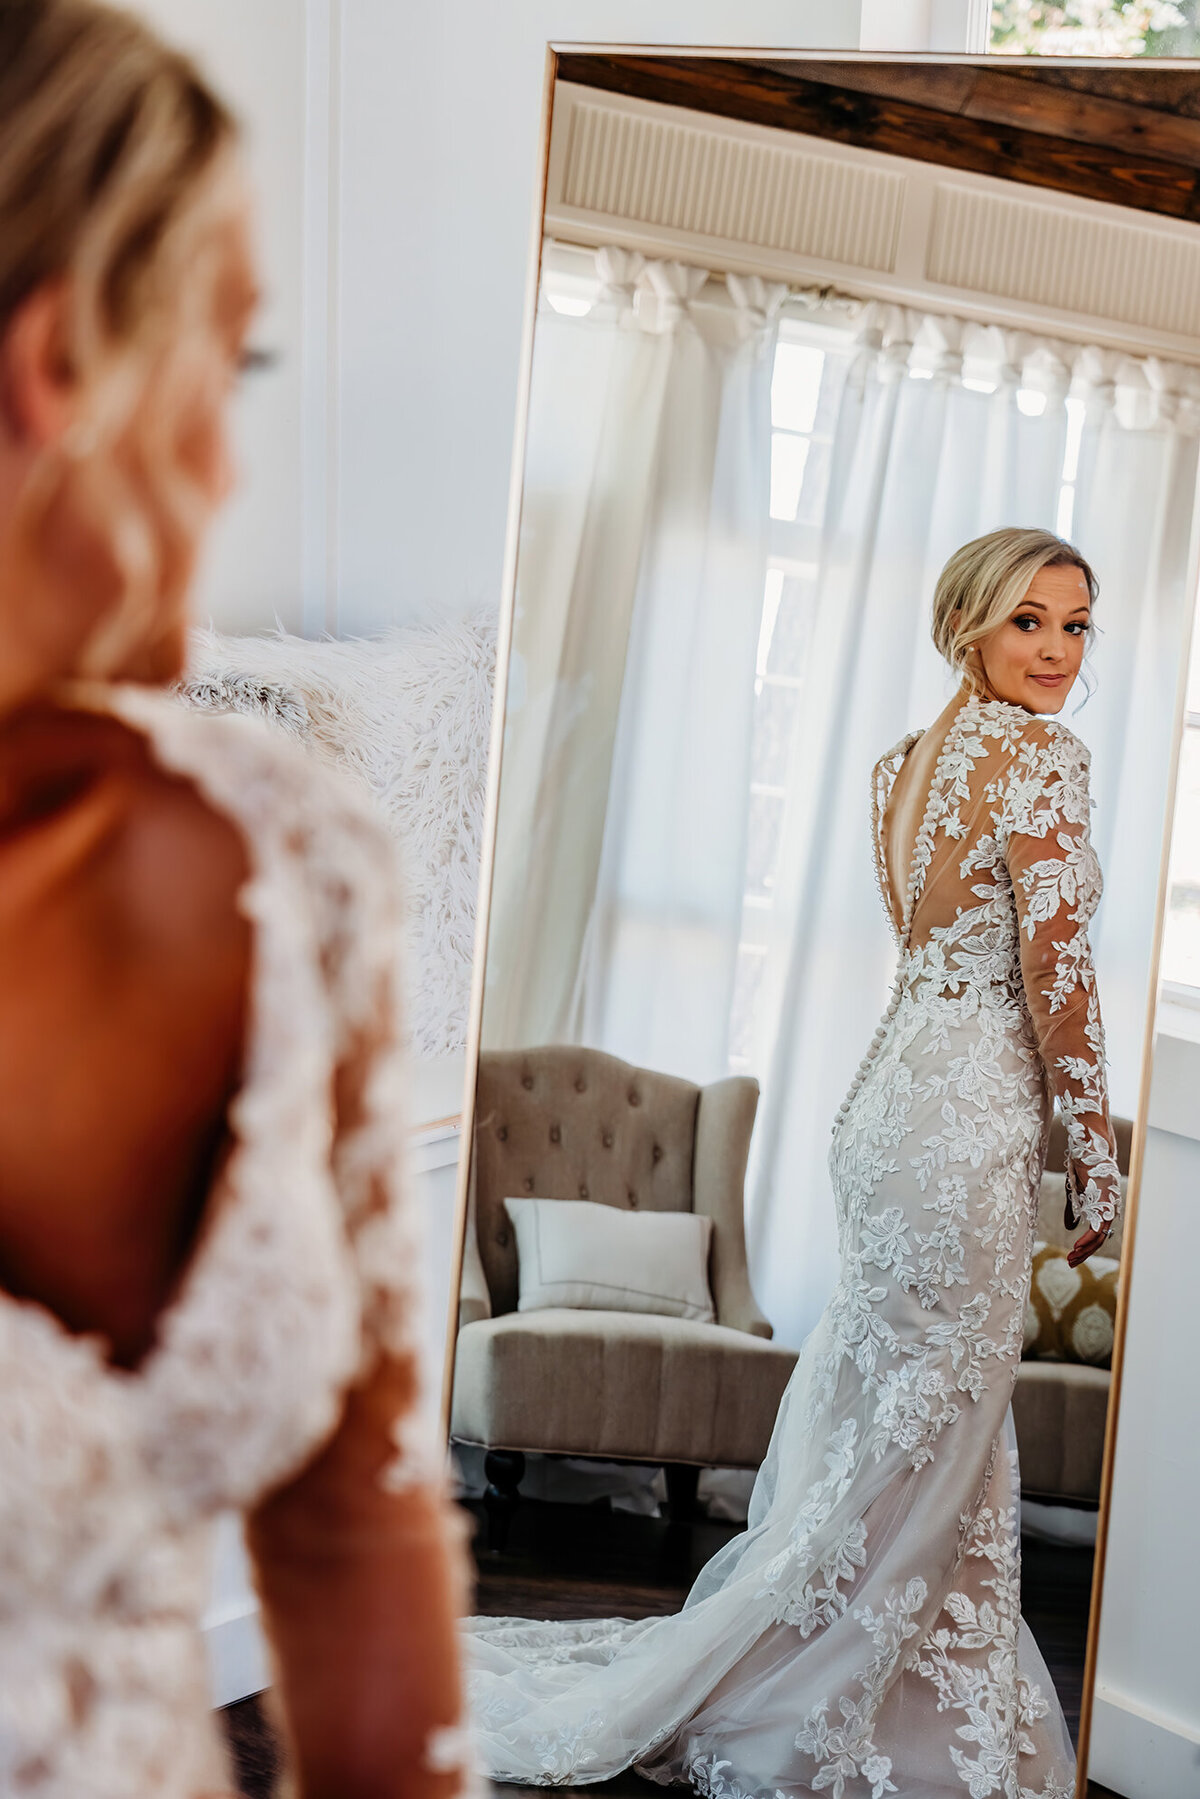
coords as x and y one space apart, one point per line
112 152
983 584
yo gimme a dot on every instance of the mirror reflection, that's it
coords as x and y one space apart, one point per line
855 567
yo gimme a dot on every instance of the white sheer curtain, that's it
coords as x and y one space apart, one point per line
1134 511
624 779
919 466
596 401
656 979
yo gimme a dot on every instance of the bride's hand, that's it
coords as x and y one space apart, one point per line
1087 1244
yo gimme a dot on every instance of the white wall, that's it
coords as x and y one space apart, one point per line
1146 1723
440 111
255 53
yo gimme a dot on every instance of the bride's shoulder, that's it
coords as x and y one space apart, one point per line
1033 739
1043 777
891 759
292 807
322 858
258 766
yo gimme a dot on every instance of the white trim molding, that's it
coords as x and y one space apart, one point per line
755 199
1080 263
318 349
1139 1753
238 1663
436 1146
1176 1072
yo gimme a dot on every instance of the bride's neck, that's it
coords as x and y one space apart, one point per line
986 695
951 710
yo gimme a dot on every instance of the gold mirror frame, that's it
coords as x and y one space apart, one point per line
495 758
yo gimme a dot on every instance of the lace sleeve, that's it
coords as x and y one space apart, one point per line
1056 885
370 1150
360 1560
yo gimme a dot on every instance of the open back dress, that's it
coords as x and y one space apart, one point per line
303 1279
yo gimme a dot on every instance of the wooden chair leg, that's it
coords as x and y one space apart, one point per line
504 1469
682 1481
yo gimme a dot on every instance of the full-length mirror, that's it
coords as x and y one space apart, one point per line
855 574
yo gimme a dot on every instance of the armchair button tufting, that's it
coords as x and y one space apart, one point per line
608 1139
529 1183
502 1238
635 1099
527 1082
658 1154
583 1192
633 1199
581 1085
502 1133
555 1134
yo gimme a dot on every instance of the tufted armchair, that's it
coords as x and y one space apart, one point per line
573 1123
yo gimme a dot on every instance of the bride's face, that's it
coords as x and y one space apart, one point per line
170 466
1032 659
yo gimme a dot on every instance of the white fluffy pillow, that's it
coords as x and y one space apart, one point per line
573 1252
408 715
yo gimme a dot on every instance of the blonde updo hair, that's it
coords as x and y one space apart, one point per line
983 584
112 148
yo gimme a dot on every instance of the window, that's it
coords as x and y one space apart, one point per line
1095 27
806 389
805 393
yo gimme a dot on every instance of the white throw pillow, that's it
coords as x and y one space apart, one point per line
573 1252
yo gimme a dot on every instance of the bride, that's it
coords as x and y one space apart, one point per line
206 1255
864 1635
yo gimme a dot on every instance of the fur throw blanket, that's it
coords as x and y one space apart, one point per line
407 716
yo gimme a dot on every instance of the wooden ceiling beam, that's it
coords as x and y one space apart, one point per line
947 87
974 92
1088 118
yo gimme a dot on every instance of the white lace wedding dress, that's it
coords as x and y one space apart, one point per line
864 1635
303 1274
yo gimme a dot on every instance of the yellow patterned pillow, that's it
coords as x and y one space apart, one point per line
1070 1312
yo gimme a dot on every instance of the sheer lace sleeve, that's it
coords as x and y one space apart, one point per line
1056 884
360 1560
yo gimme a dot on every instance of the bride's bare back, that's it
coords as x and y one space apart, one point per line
905 808
124 964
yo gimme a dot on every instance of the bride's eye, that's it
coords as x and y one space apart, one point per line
1026 621
1078 626
254 360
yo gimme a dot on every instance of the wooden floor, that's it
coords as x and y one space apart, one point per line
567 1561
